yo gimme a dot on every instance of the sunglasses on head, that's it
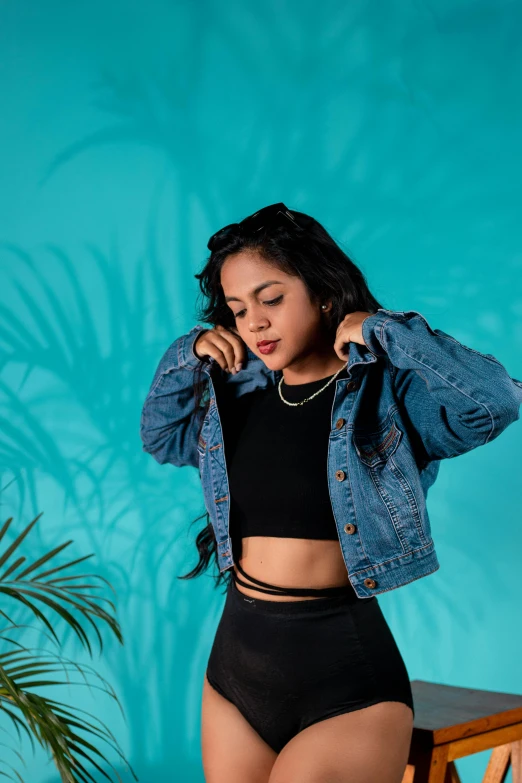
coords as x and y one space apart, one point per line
275 214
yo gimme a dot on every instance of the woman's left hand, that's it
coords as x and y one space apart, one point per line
349 331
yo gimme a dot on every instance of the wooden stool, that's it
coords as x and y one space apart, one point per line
452 722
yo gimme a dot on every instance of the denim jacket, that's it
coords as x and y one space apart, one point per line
413 396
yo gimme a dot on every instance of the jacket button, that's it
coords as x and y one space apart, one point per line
370 582
351 385
339 423
349 528
340 475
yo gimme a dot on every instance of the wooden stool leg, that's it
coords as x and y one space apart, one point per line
516 761
498 764
431 766
452 775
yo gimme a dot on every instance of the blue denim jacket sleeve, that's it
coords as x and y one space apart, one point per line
455 397
168 429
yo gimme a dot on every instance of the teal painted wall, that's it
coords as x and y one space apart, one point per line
129 133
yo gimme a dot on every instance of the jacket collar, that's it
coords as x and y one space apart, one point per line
359 354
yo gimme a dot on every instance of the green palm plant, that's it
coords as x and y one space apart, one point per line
50 327
56 726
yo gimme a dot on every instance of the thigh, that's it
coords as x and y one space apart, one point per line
232 751
362 746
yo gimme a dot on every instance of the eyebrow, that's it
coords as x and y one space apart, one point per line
255 290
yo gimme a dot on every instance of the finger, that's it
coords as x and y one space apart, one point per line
341 347
231 347
216 354
238 343
214 349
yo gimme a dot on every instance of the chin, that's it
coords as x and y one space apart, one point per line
273 365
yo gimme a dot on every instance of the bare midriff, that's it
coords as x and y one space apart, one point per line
291 563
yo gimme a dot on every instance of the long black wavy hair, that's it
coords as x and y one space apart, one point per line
329 274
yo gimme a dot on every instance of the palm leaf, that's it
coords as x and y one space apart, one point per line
45 590
53 724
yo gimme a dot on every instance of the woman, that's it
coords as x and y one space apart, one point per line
323 427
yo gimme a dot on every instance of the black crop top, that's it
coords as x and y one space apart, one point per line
276 457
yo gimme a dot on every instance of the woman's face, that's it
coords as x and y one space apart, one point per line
281 311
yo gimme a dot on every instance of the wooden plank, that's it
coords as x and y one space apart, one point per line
448 712
516 761
498 765
490 739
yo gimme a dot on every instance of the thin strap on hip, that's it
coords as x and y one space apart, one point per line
303 591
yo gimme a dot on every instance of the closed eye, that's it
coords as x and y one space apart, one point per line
269 302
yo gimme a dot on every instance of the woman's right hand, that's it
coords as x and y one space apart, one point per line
223 345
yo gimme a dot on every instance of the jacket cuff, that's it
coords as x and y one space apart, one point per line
373 326
187 359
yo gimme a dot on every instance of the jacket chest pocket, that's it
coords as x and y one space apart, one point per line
388 487
376 448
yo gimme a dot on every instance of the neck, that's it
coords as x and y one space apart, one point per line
315 372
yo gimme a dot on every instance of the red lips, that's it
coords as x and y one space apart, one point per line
267 346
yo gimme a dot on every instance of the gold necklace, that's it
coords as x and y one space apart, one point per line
313 395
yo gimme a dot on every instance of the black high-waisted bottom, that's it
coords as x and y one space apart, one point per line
289 664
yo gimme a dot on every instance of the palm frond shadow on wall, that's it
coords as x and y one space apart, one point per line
69 408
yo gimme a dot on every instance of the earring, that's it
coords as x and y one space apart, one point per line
323 307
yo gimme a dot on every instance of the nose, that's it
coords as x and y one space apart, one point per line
258 323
